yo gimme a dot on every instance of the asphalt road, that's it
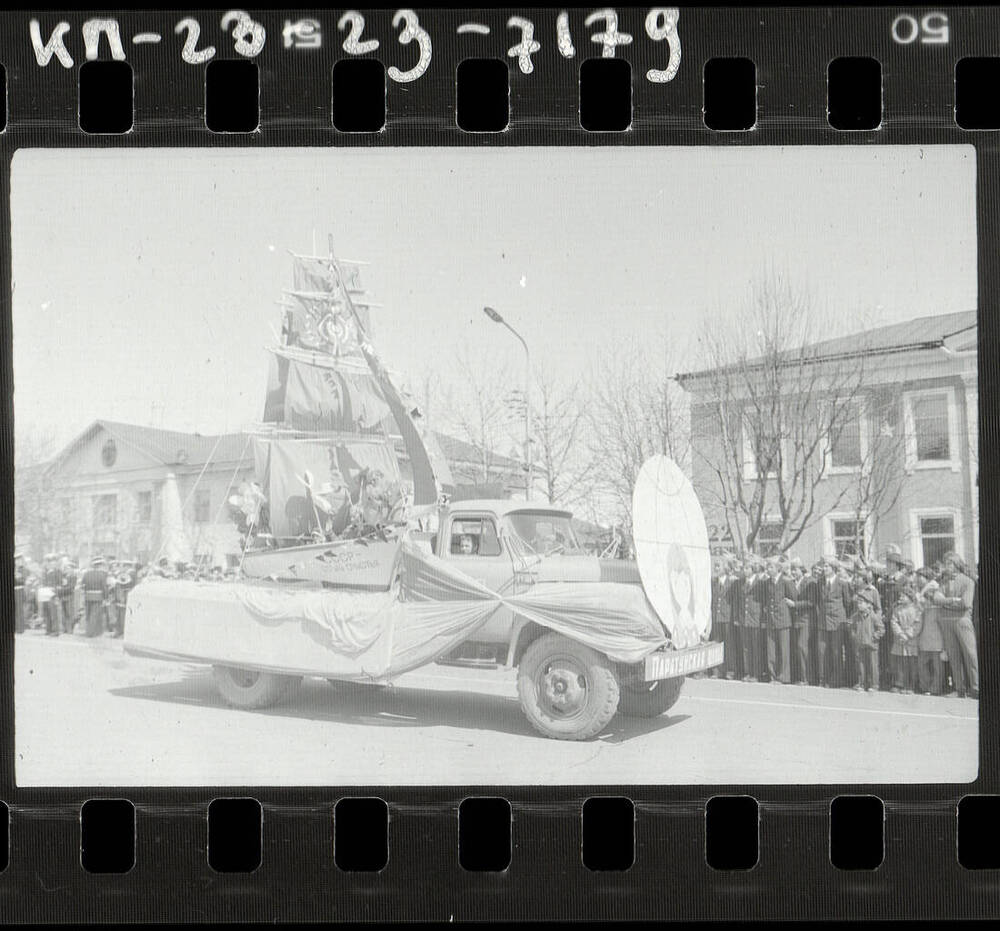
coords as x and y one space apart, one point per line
88 715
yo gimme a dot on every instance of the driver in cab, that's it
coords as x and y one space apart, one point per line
546 539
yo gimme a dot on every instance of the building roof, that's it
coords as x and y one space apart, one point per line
956 332
174 447
170 447
921 332
456 450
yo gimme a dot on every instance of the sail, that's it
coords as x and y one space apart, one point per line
323 397
315 275
315 384
301 473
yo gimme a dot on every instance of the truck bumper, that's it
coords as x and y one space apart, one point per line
669 664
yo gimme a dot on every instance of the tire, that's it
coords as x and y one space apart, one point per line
640 699
248 688
567 690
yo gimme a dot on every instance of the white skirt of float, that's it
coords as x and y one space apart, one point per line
671 547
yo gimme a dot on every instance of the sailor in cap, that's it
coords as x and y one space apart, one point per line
95 596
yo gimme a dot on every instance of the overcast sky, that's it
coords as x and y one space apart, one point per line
148 277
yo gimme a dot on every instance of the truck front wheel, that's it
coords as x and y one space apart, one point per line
249 688
567 690
641 699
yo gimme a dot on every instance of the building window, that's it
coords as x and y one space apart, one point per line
109 453
930 428
847 537
202 506
937 537
768 538
847 450
144 507
932 424
757 446
106 511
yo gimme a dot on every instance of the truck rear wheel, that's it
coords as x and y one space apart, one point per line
642 699
567 690
249 688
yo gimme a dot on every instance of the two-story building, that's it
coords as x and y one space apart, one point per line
921 450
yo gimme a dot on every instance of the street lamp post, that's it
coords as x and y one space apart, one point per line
528 477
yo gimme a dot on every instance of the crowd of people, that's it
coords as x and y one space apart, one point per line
840 623
849 623
61 599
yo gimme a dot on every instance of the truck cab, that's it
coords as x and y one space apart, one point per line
508 546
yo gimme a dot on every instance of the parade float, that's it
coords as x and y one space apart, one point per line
350 573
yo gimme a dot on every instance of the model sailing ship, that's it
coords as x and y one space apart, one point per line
330 504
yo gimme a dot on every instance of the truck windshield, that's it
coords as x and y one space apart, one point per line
544 532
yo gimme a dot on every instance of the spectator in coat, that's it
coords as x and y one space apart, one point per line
889 580
48 596
833 620
929 642
66 591
866 631
846 569
777 596
737 615
124 583
752 600
954 599
804 621
724 584
906 624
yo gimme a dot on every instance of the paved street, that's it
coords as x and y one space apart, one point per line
87 714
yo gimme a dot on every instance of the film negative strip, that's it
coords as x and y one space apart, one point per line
499 464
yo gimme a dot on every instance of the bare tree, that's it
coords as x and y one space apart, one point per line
776 404
477 411
562 460
877 483
35 518
636 410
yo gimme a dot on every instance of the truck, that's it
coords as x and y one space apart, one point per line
569 687
339 581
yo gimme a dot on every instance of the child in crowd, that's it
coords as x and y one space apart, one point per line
906 623
867 629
